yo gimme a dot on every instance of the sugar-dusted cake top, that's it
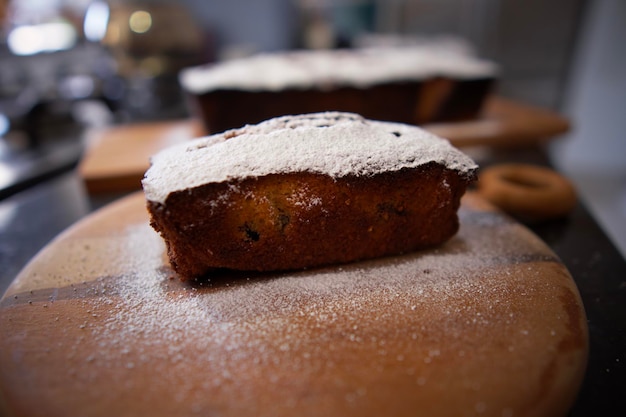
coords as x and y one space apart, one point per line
332 143
333 68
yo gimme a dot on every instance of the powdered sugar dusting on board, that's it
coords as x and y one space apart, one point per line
154 305
254 313
220 346
331 143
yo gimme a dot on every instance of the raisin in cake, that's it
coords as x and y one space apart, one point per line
304 191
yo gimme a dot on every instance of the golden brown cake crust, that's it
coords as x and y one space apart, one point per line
300 220
303 191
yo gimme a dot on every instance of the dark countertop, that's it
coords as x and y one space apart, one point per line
600 274
599 271
30 218
33 217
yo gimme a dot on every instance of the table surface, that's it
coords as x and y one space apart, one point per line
31 218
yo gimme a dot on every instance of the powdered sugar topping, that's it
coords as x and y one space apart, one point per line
331 143
332 68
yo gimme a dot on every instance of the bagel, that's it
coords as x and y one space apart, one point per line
527 192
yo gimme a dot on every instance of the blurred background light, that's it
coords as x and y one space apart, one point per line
46 37
140 21
5 125
96 21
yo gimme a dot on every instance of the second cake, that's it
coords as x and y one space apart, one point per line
414 85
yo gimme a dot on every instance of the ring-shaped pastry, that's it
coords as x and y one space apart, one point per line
527 191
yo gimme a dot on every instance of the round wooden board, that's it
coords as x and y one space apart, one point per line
489 324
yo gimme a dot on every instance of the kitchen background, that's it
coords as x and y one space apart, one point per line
68 65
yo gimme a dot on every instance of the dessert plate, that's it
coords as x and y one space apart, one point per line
97 324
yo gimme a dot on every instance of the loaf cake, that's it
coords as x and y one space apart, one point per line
414 85
303 191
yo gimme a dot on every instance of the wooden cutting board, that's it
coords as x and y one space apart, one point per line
116 158
489 324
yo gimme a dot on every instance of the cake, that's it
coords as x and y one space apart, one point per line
414 85
304 191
